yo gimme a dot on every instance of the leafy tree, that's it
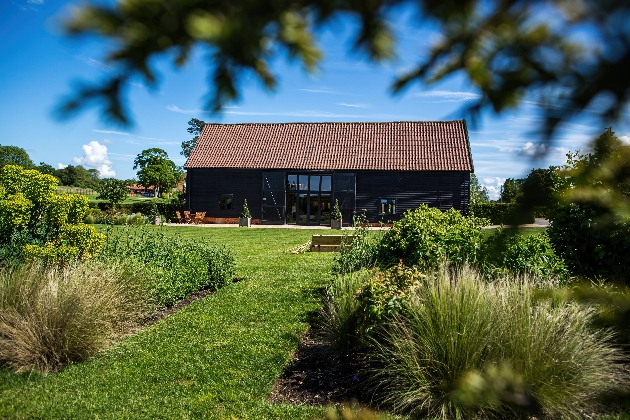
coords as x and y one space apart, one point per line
478 193
13 155
47 169
157 170
195 127
149 156
591 228
113 190
504 48
78 176
512 190
540 187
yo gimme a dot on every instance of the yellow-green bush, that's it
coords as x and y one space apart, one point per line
35 223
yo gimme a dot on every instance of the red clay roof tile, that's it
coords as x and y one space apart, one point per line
402 146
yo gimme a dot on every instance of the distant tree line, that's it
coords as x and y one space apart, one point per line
76 176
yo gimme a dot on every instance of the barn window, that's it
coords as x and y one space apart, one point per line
387 206
225 201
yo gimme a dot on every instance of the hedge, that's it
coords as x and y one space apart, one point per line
166 209
502 213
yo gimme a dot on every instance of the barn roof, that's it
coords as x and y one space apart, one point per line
403 146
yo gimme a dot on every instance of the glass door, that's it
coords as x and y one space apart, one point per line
308 198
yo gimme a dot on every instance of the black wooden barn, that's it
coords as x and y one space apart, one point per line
292 173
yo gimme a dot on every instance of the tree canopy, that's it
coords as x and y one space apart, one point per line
195 127
478 193
505 48
113 190
157 170
13 155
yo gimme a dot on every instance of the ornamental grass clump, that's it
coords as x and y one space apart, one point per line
457 323
51 316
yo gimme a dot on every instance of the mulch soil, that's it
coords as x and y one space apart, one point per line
321 376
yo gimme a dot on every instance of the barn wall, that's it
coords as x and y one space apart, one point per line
443 189
207 184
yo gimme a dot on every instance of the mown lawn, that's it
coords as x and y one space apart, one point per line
216 358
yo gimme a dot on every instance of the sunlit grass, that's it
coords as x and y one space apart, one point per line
217 358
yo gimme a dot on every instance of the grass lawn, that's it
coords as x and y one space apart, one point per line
216 358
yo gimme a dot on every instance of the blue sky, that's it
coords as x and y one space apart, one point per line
40 66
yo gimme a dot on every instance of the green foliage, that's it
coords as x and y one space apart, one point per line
342 313
195 127
386 294
591 229
113 190
502 213
512 190
478 39
362 252
13 155
427 237
41 224
457 323
590 246
245 214
507 250
50 317
541 187
336 213
178 267
478 193
157 170
78 176
147 207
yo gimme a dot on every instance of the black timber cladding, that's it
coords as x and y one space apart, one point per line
442 189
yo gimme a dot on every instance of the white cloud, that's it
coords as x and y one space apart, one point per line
625 139
175 108
353 105
35 1
121 133
493 185
324 90
95 63
447 95
531 149
107 141
61 166
95 156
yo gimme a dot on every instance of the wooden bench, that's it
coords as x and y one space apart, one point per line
329 243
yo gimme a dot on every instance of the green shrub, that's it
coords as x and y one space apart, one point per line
502 213
427 237
178 267
590 245
167 209
457 323
52 316
385 294
509 250
362 253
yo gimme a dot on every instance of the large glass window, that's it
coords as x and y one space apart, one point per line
225 201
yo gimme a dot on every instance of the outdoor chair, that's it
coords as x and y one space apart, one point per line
199 217
180 219
187 217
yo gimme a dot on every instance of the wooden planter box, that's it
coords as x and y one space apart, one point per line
244 222
335 224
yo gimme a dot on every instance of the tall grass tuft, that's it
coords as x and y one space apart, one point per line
50 317
341 313
457 323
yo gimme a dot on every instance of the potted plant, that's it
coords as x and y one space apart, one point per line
246 218
154 215
335 216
